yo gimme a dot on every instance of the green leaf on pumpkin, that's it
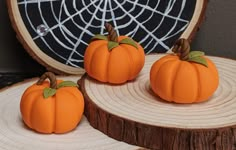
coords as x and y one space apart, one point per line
129 42
66 84
193 54
199 60
112 45
100 37
47 92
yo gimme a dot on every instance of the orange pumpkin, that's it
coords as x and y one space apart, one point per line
55 107
185 77
113 59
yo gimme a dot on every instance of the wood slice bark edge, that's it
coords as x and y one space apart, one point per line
156 137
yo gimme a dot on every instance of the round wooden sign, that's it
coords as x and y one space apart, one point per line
57 32
133 113
14 135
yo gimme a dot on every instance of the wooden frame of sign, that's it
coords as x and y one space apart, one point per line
73 64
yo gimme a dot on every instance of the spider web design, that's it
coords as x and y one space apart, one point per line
70 24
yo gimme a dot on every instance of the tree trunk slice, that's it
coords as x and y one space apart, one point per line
133 114
14 135
61 50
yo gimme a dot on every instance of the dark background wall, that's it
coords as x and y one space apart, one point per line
13 57
217 36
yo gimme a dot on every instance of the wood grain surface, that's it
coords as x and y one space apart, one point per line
132 113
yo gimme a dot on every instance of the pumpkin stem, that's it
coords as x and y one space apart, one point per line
112 35
51 77
182 48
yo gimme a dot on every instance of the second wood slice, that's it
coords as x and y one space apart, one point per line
132 113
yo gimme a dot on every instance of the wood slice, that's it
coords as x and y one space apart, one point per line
57 32
132 113
14 135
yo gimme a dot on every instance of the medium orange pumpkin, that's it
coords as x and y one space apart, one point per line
113 59
185 77
55 107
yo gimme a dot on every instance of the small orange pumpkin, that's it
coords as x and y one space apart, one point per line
184 78
55 107
113 59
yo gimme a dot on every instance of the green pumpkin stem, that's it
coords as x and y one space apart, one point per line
182 48
51 77
112 35
50 91
112 38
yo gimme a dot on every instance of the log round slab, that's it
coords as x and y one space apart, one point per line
133 114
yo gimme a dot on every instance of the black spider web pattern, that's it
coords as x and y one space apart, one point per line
63 28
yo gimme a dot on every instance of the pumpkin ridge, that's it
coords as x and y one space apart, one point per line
25 97
74 98
55 110
108 62
163 65
153 79
211 65
198 81
160 63
55 113
213 71
131 70
99 60
69 91
141 56
32 91
90 54
74 95
173 80
92 57
31 109
158 72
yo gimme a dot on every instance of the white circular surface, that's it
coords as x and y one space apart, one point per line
135 100
15 136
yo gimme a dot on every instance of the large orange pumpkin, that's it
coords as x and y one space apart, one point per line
113 59
185 77
55 107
